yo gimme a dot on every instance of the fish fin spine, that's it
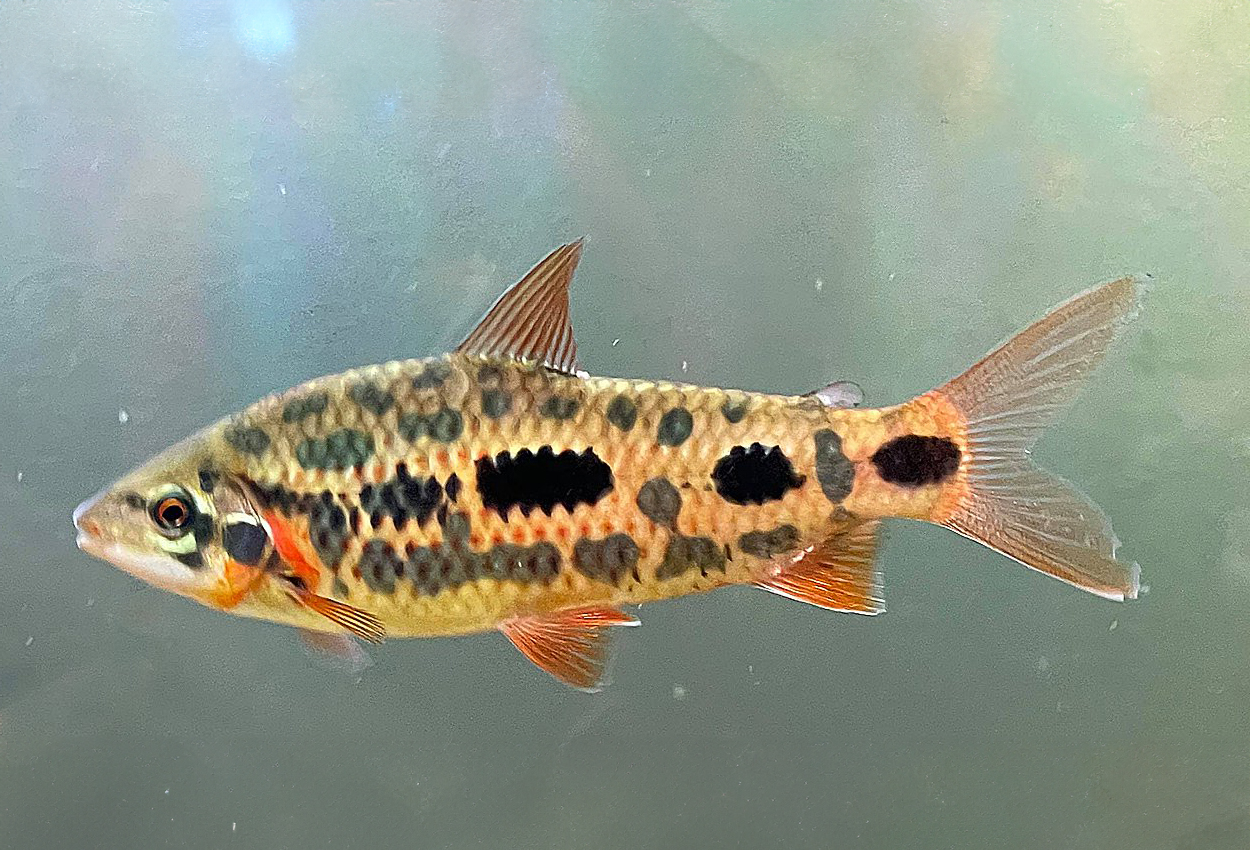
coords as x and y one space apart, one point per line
838 574
573 646
996 411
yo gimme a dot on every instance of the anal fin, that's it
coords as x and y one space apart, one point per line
573 646
838 574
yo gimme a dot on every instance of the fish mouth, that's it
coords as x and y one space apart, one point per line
88 528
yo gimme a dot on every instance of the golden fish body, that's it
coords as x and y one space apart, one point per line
500 486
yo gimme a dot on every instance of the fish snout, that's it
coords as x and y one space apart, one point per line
86 519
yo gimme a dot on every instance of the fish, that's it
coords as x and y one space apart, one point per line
501 487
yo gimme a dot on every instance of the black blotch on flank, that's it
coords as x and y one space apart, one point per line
453 487
690 553
609 560
913 460
435 569
675 427
542 479
754 475
245 542
328 528
379 566
659 501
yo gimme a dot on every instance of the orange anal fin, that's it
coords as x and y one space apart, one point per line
838 574
572 646
361 623
289 550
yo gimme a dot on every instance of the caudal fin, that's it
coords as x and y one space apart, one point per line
1002 498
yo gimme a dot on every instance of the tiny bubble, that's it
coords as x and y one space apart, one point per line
30 640
234 826
90 601
167 792
679 693
122 416
820 284
648 172
1043 664
684 365
20 476
1114 624
282 188
615 341
891 275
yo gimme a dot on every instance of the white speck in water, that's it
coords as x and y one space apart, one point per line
1043 664
891 275
679 693
1114 624
166 792
648 172
615 341
684 365
234 826
282 189
20 476
30 640
90 601
820 284
122 416
750 668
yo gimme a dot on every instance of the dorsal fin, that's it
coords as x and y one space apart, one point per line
530 321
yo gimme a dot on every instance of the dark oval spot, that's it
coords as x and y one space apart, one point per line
622 412
432 376
560 407
305 406
913 460
675 427
496 402
834 470
766 544
372 398
660 501
341 449
733 411
754 475
248 440
245 542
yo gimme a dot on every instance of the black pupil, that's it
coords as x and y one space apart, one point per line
173 513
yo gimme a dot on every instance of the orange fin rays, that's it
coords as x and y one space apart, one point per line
573 646
838 574
530 321
361 623
1007 502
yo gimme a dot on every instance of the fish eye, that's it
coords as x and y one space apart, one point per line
173 512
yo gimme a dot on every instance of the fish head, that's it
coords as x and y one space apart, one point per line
169 523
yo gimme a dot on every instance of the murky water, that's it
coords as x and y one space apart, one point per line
206 201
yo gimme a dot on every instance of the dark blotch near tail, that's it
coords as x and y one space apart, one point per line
542 479
754 475
914 461
834 470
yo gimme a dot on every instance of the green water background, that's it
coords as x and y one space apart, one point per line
201 202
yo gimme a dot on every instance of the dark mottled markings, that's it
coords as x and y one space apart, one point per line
913 460
402 498
304 406
542 479
202 531
248 440
675 427
690 553
342 449
560 407
496 402
489 374
432 376
434 569
834 470
134 500
245 542
371 397
341 590
610 559
755 475
766 544
733 411
327 528
622 412
380 566
192 559
443 426
659 501
208 481
453 487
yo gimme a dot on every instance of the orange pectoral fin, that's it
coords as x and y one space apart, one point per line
572 646
355 620
287 546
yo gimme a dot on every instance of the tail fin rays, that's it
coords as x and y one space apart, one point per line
1005 401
